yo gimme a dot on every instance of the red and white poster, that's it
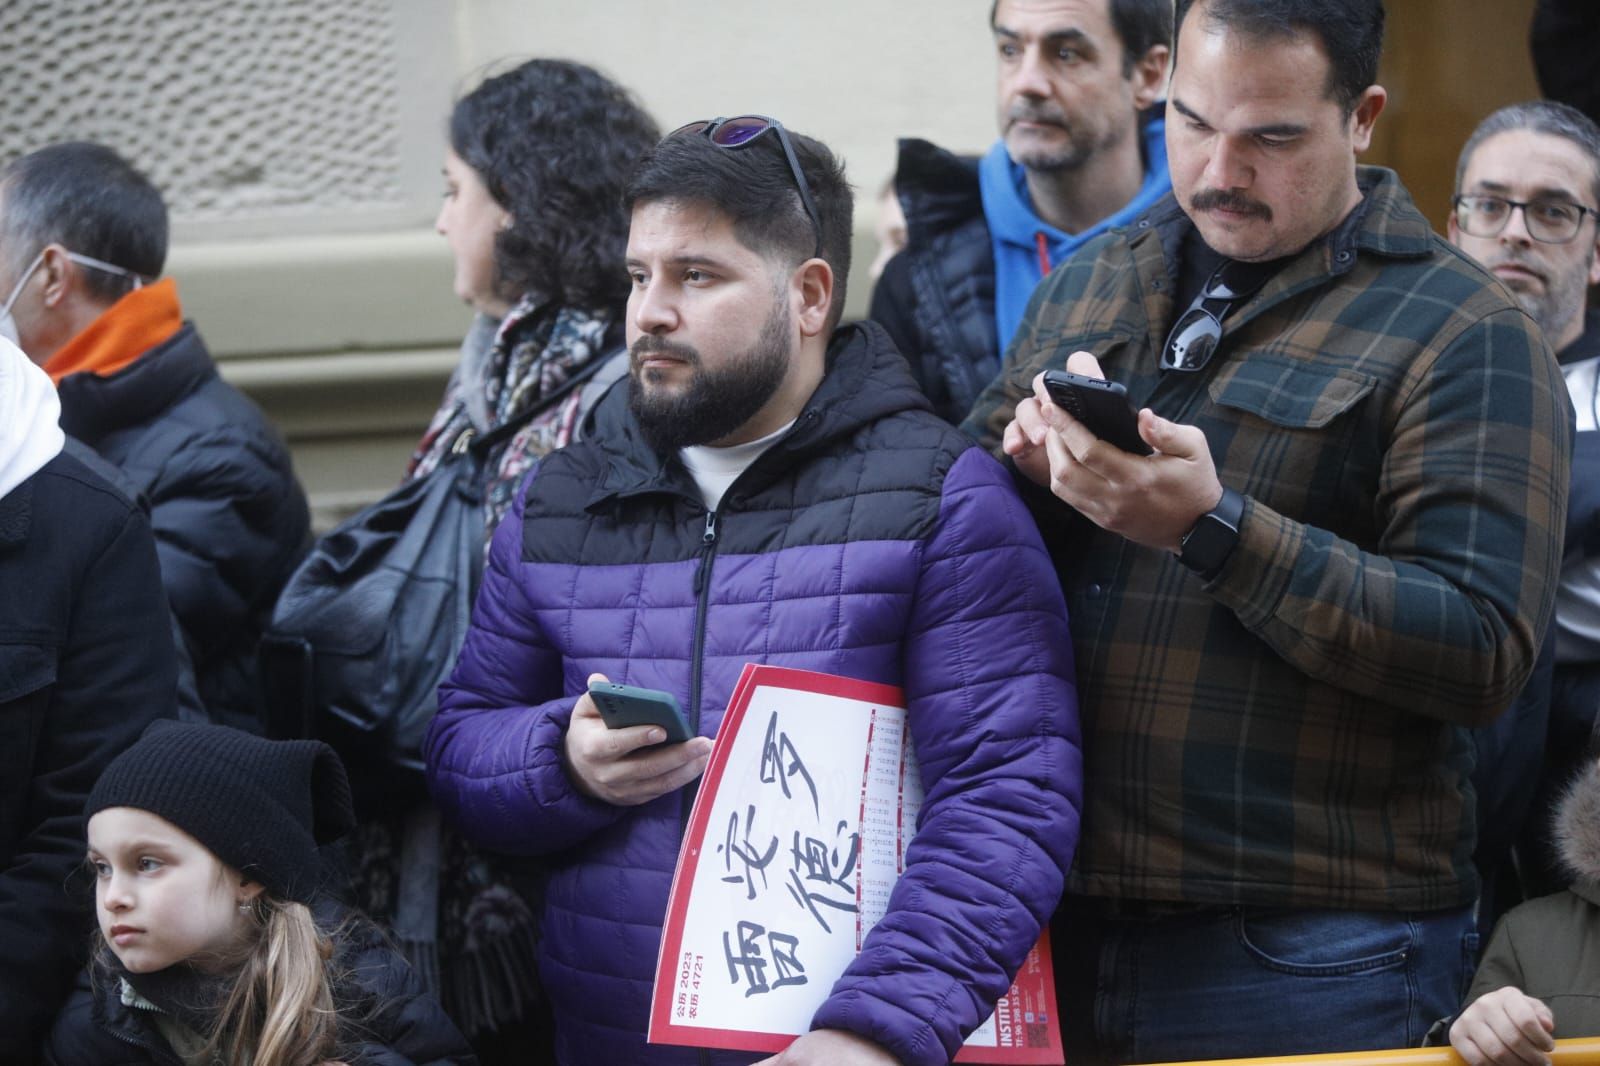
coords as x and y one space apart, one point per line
797 836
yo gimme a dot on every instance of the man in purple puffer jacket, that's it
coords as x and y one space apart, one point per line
767 488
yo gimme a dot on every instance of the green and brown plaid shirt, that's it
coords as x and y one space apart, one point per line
1288 734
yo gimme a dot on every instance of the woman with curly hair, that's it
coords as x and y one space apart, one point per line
534 172
533 214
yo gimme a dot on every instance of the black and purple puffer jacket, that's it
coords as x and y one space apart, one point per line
871 541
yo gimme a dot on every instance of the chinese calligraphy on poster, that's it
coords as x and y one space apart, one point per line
797 836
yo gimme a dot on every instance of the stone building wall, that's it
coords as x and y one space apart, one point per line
299 141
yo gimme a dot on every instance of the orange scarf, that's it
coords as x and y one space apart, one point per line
127 329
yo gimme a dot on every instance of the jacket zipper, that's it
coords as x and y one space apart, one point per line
702 592
161 1055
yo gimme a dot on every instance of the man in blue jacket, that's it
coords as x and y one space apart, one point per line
1080 151
767 488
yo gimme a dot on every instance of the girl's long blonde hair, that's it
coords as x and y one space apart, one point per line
280 1010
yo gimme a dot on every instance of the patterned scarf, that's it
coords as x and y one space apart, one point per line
454 912
536 348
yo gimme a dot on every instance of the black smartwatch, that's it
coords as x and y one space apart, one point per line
1207 546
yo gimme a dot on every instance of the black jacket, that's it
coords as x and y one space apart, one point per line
1583 501
230 519
1565 41
936 298
1546 736
389 1019
86 662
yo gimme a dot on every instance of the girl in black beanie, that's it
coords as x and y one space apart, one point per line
217 943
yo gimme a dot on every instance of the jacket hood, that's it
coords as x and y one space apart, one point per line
1577 827
937 189
866 379
30 418
1010 211
159 378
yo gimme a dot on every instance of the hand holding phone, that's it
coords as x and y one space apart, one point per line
636 755
1102 406
627 705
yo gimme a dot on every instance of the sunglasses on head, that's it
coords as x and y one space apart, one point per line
1198 331
743 130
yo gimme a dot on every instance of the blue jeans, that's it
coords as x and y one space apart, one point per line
1233 982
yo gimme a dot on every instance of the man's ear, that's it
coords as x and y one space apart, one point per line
61 275
1594 262
1150 76
1365 116
813 284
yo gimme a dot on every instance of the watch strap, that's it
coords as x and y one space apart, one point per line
1206 547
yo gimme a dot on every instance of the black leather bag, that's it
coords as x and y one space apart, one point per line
373 619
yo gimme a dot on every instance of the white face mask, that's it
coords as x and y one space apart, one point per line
8 324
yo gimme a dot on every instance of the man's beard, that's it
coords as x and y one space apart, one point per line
1081 144
714 403
1561 301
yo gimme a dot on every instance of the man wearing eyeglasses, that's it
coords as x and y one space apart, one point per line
769 488
1528 185
1081 151
1527 193
1342 551
83 242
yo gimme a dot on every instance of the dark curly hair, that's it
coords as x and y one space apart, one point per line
554 142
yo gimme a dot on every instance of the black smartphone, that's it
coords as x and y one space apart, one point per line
625 705
1101 405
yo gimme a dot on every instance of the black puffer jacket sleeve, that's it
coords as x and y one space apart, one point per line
1566 53
894 303
229 517
393 1019
229 522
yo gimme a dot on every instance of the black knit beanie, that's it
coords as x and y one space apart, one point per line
261 806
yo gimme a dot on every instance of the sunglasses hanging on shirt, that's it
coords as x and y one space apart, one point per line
1195 336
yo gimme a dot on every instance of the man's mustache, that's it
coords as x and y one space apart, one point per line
1213 199
1514 256
649 344
1025 111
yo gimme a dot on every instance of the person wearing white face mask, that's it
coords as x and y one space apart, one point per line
83 242
86 662
8 324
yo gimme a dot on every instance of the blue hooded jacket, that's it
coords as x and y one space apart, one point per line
1015 230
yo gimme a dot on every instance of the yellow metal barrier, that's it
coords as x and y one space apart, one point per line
1582 1051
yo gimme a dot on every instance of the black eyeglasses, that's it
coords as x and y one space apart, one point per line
1548 221
1195 336
743 130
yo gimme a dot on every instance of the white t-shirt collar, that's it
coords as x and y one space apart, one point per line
714 469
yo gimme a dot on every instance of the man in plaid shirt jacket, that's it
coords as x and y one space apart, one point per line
1342 552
